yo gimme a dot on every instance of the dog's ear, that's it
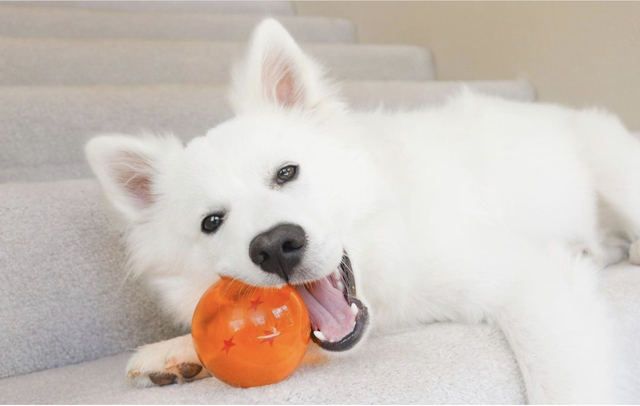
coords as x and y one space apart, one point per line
128 168
275 72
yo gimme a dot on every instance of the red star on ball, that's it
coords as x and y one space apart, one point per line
227 345
255 304
269 336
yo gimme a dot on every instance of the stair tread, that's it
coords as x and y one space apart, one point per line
44 128
33 22
229 7
116 61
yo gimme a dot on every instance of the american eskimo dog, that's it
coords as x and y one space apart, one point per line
480 210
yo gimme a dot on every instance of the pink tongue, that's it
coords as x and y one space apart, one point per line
329 312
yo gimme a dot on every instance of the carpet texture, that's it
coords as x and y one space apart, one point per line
62 297
44 129
29 22
112 62
428 365
222 7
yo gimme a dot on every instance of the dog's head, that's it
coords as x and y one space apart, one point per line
268 197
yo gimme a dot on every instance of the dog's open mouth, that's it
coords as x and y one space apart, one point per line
338 318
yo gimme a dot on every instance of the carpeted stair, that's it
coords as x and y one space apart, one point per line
20 22
42 61
46 127
71 70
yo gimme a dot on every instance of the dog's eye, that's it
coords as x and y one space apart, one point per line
287 173
211 223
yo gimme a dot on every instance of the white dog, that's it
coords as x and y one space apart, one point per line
479 210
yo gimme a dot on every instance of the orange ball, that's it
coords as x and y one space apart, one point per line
249 336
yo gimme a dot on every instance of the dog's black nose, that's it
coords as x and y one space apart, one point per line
278 250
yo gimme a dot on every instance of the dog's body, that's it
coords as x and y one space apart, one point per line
479 210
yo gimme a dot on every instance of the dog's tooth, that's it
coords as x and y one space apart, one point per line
336 274
354 309
340 286
319 335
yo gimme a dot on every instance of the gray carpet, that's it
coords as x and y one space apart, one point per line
112 62
44 129
428 365
24 22
278 8
62 297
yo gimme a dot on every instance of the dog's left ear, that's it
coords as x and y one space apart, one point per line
276 72
129 168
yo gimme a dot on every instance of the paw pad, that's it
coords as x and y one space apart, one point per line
189 370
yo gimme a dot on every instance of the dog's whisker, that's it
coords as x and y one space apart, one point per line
233 280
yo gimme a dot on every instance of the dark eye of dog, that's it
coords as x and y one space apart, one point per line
211 223
287 173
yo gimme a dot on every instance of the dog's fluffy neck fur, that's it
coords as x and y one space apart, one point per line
477 210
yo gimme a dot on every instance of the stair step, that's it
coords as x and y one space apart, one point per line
221 7
43 129
31 22
409 95
118 62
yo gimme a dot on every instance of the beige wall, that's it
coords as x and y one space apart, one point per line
580 54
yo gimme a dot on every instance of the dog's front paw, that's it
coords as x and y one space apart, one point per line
164 363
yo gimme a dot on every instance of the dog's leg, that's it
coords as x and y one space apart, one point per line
561 333
613 156
165 362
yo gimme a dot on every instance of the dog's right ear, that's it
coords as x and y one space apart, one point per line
128 169
277 73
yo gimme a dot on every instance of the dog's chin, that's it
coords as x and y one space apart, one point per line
338 318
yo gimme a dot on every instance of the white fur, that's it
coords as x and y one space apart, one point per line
478 210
